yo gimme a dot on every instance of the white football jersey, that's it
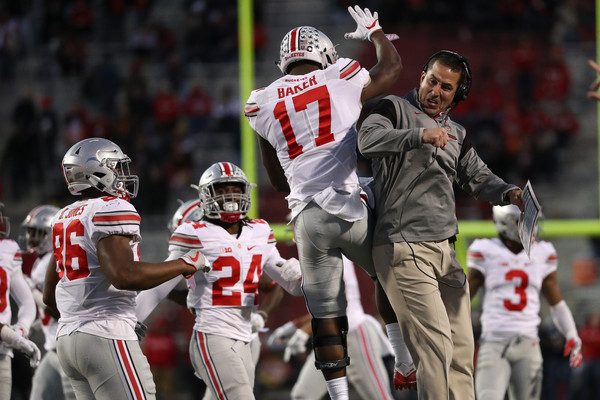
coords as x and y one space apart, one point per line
310 122
10 262
224 297
354 309
87 301
49 324
511 303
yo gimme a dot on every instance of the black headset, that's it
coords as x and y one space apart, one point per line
465 82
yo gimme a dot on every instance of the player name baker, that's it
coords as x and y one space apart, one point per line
282 92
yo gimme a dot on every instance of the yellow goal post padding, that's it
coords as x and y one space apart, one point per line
478 229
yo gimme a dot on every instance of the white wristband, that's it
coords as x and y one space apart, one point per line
563 319
8 335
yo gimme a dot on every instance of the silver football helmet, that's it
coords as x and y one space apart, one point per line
101 164
306 43
4 223
506 219
37 228
190 210
230 207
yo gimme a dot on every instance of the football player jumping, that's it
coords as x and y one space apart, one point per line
305 123
223 300
95 242
509 352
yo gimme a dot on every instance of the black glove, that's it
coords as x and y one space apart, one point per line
140 330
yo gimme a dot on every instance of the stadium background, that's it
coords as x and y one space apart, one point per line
161 79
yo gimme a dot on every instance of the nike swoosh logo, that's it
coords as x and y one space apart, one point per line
417 113
194 259
373 24
452 137
251 247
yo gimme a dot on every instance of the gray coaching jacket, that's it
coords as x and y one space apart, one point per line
413 181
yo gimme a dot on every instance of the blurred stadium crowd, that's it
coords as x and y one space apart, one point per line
167 93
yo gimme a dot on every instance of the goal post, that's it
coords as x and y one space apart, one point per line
469 230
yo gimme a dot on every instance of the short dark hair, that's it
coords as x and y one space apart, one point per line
450 61
455 62
299 62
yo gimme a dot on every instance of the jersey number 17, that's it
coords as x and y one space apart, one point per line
319 94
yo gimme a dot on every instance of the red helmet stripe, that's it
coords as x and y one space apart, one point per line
190 209
293 40
227 170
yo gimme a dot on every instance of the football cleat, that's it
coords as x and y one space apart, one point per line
408 382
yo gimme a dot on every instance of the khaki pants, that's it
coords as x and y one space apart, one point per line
428 291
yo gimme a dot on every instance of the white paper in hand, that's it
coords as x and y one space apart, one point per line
529 218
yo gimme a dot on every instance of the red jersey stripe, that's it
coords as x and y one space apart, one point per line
355 65
186 239
116 218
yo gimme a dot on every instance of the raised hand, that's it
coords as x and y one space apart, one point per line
366 23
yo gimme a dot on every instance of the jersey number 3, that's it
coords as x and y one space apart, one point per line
519 290
320 94
70 257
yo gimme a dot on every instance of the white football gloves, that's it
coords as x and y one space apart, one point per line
573 351
290 269
280 335
366 23
257 320
296 344
196 260
21 330
16 341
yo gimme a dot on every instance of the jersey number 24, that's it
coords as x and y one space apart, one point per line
224 291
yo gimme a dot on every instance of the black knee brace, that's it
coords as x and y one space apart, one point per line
320 340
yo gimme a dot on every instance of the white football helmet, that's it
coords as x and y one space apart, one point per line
101 164
230 207
306 43
4 223
190 210
37 225
506 219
